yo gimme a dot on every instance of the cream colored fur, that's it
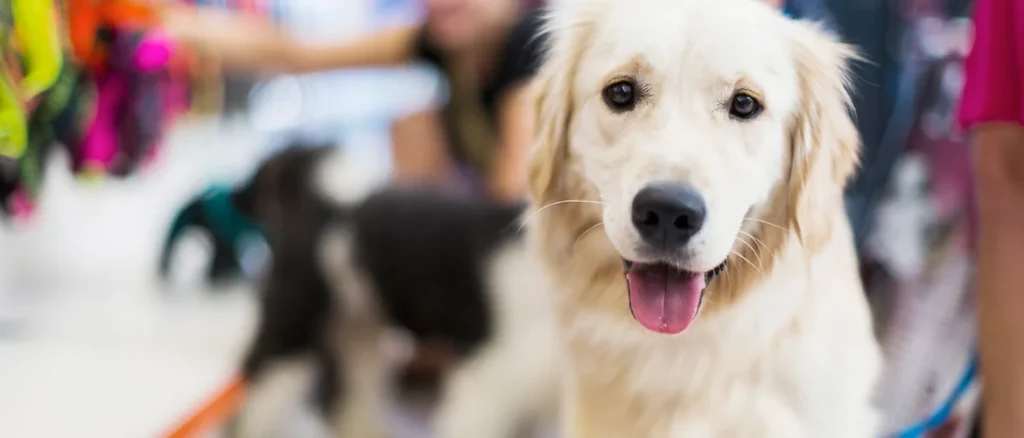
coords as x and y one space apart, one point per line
783 344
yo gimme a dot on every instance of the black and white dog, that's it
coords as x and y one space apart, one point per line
441 267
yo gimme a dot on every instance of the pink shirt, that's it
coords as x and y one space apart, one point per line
994 70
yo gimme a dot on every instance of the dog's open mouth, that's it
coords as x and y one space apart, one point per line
663 298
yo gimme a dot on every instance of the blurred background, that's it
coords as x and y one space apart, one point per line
93 345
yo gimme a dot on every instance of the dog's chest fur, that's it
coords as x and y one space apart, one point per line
790 359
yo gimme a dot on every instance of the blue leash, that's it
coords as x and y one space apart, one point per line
941 415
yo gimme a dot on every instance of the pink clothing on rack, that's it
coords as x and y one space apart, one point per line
100 145
994 70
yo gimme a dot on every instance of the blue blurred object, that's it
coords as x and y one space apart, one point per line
944 412
383 8
813 10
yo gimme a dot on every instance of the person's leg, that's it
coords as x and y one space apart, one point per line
999 168
420 151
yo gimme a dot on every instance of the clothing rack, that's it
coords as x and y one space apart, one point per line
113 84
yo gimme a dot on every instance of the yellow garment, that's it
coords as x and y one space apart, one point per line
36 38
35 25
13 124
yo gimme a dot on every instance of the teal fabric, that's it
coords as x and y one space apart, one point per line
227 222
215 209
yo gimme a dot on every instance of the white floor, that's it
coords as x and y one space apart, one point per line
89 345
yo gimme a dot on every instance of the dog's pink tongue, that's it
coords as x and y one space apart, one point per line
663 299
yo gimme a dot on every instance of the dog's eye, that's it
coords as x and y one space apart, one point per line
620 96
744 106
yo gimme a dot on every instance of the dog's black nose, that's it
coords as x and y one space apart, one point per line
668 214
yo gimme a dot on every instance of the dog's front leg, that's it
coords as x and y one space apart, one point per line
276 392
364 370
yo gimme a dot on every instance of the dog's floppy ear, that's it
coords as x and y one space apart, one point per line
825 142
554 109
551 142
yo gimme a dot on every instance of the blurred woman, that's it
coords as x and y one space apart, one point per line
486 49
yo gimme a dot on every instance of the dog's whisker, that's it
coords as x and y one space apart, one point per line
763 247
748 261
752 250
584 233
766 223
567 201
754 239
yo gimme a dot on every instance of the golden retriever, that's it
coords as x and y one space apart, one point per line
687 187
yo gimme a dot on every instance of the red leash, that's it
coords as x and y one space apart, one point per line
212 413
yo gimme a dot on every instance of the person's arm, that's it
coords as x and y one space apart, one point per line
990 110
999 178
507 181
248 43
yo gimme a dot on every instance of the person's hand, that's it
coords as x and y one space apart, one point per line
236 40
183 24
212 29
